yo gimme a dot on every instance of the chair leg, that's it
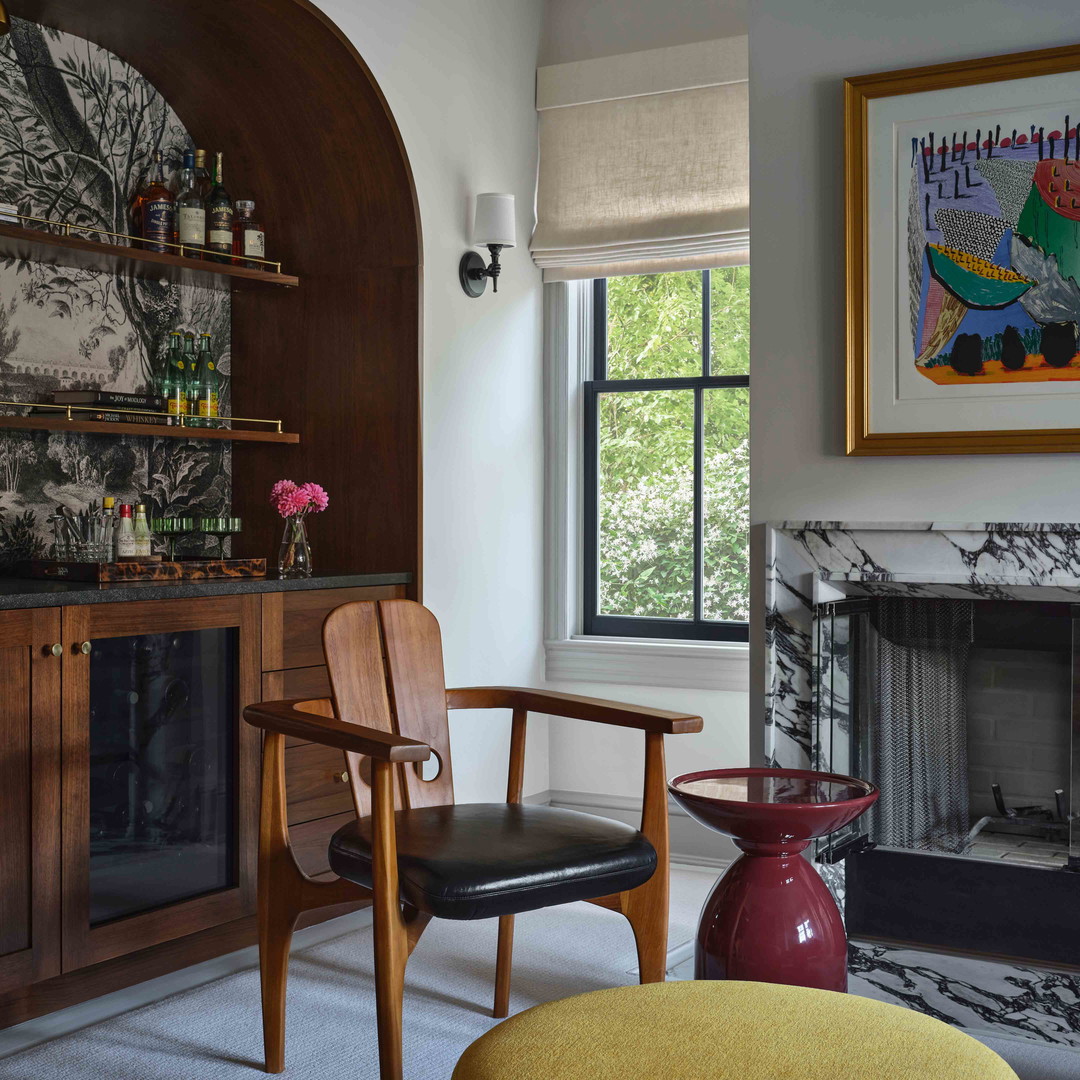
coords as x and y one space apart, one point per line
503 962
648 916
277 917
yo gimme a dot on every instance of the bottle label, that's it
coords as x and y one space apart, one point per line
219 231
158 224
208 405
192 226
125 544
255 243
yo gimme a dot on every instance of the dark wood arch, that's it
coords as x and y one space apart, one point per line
307 133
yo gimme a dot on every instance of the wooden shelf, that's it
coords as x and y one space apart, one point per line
38 246
165 431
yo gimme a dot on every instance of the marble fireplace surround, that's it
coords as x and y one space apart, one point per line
808 563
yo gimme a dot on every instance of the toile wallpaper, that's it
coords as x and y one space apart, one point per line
78 128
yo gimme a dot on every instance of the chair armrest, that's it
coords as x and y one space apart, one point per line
285 718
598 710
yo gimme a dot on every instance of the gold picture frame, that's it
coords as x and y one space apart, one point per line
859 92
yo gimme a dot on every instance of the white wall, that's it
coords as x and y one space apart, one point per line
459 78
584 29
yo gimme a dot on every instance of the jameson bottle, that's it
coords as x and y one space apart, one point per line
203 181
190 211
219 218
189 376
248 236
158 210
208 384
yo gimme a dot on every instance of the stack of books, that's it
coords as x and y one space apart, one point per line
110 403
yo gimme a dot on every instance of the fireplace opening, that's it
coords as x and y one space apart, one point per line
961 711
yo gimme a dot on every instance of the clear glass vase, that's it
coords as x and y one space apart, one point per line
294 556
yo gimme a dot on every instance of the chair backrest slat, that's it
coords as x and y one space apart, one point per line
414 664
352 644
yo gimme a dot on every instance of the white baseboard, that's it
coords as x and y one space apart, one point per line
691 843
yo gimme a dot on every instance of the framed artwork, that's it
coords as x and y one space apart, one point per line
963 257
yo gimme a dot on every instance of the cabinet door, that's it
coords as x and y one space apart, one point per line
29 797
160 771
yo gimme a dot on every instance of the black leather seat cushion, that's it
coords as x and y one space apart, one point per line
480 860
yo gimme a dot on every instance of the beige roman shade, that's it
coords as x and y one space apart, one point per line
644 163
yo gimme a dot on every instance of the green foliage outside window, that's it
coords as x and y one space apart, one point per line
646 496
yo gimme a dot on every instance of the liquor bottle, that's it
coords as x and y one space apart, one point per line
248 236
125 535
143 537
219 217
190 376
204 182
158 210
190 211
208 384
135 206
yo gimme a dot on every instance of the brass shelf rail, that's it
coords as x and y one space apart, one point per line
176 419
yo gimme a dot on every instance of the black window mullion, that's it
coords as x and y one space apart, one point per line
706 324
699 498
600 329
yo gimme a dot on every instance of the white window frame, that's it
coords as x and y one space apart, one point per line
572 656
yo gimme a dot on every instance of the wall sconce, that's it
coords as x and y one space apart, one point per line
5 19
493 228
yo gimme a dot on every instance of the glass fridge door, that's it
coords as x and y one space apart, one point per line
163 769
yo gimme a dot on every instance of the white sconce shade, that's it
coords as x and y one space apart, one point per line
494 220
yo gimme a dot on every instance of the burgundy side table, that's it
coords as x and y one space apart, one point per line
770 917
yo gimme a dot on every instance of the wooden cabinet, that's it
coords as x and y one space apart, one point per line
160 772
129 783
29 797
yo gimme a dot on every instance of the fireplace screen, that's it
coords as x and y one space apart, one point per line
961 712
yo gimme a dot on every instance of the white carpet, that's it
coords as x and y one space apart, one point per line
212 1032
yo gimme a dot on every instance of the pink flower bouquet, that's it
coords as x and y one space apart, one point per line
298 500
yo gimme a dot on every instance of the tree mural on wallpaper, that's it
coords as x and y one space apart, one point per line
78 128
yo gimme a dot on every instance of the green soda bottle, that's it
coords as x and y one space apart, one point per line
208 383
190 377
168 365
174 383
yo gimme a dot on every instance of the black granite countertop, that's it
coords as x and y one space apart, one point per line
27 593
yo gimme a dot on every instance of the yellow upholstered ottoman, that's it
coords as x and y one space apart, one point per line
726 1031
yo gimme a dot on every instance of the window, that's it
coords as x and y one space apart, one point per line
666 462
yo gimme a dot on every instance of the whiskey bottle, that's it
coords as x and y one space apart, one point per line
248 236
208 384
158 209
203 180
190 211
189 376
219 218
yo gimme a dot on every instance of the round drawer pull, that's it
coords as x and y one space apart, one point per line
85 648
341 778
56 650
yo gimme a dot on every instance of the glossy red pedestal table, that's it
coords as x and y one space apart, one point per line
770 917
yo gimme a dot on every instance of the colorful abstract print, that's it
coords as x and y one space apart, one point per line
994 254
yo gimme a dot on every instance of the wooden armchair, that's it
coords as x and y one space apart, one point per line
412 852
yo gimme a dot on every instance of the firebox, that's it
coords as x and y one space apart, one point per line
962 712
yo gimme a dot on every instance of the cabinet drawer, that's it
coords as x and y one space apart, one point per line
313 784
292 622
311 839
